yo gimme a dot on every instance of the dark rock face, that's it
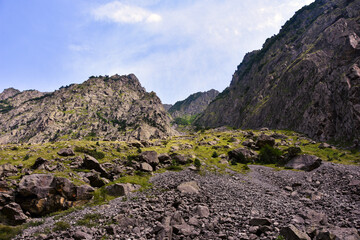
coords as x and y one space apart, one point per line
92 164
115 108
194 104
305 78
13 214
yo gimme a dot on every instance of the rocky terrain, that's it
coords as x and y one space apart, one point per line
194 104
112 108
309 71
200 185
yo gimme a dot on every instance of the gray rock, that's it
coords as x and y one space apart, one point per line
13 214
242 155
189 187
92 164
304 162
84 192
80 235
260 222
150 157
66 152
202 211
263 140
146 167
292 233
121 189
39 162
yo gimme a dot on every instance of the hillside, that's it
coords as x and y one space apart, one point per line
306 78
194 104
115 107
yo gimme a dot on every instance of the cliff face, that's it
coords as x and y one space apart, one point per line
306 78
116 108
194 104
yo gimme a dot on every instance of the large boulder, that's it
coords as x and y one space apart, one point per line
13 214
292 233
164 158
8 170
95 179
263 140
189 187
242 155
121 189
36 185
150 157
146 167
304 162
84 192
38 163
92 164
66 152
178 158
65 188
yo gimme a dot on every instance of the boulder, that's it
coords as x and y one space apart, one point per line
202 211
304 162
260 222
292 233
164 158
95 179
39 162
263 140
180 159
36 185
66 152
92 164
150 157
146 167
13 214
65 188
338 233
189 187
242 155
121 189
84 192
7 170
324 145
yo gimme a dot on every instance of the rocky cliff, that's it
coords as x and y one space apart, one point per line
194 104
116 107
306 78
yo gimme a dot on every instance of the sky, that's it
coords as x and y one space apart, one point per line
174 47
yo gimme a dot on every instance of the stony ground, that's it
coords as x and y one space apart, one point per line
256 205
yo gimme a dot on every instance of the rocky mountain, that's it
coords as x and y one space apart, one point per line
167 106
194 104
306 78
115 107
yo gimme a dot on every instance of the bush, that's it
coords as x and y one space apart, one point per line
8 232
215 154
269 155
61 226
197 164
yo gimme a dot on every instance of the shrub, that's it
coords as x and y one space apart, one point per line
197 164
215 154
61 226
8 232
269 155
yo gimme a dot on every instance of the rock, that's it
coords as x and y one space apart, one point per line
146 167
202 211
79 235
121 189
66 152
242 155
180 159
260 222
248 143
263 140
189 187
4 186
164 158
39 161
292 233
304 162
338 233
7 170
84 192
65 188
35 185
13 214
92 164
324 145
95 179
150 157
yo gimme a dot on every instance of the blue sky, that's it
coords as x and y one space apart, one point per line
174 47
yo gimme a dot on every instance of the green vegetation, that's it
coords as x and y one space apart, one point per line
89 220
8 232
269 155
92 152
61 226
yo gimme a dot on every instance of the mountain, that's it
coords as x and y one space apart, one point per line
306 78
167 106
116 108
9 92
193 105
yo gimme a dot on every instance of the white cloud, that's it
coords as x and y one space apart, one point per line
78 47
122 13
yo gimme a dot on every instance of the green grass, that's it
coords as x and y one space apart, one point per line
61 226
89 220
9 232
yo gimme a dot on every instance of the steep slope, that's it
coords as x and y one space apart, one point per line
194 104
116 107
306 78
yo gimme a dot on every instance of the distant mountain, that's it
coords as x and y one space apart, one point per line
306 78
114 108
193 105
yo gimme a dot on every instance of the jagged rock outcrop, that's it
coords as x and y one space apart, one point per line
114 108
194 104
306 78
9 92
